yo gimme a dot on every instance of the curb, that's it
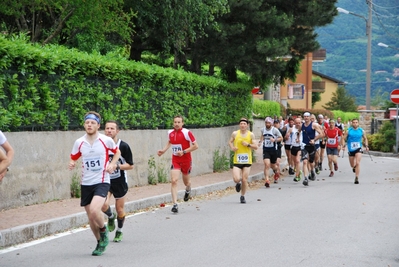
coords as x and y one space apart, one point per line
29 232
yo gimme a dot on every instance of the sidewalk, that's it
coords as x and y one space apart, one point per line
27 223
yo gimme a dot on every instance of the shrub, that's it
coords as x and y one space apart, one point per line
384 140
266 108
220 162
75 186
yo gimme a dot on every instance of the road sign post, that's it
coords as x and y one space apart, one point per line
395 100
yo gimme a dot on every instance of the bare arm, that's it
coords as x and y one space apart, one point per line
3 164
253 144
161 152
366 141
231 142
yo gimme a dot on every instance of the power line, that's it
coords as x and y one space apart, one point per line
383 26
384 7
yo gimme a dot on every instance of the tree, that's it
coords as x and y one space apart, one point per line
171 26
266 39
341 101
62 21
316 97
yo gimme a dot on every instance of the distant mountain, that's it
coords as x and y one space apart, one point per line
346 43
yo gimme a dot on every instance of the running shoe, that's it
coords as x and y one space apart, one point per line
238 187
187 195
297 178
118 236
312 176
242 200
104 237
267 183
331 174
305 182
317 170
291 171
356 180
335 166
98 251
320 166
354 169
111 223
175 208
276 177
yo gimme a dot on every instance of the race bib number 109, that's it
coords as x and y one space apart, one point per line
243 158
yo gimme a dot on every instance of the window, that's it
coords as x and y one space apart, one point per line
296 91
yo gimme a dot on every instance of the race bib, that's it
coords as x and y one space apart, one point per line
176 148
92 164
331 141
268 143
243 158
355 145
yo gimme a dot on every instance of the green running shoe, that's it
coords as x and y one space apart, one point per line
111 223
104 238
98 251
118 236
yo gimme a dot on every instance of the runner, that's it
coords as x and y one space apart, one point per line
309 130
333 135
354 138
94 149
242 143
295 135
324 125
282 131
287 146
340 126
8 156
268 139
119 186
183 143
317 148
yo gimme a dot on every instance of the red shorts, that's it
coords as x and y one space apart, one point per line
184 167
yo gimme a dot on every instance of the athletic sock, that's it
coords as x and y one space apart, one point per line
108 212
121 220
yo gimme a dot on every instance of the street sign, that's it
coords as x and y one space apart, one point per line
395 96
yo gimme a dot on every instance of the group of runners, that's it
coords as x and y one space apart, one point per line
304 140
105 159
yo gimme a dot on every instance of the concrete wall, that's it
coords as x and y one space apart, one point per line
39 172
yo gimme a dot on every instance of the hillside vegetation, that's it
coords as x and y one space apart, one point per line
346 43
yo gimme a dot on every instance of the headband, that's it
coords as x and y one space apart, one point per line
244 120
92 117
306 114
268 119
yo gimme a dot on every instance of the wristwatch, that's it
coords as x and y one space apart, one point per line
249 145
117 165
184 152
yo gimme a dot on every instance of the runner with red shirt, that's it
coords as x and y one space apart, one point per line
183 143
332 135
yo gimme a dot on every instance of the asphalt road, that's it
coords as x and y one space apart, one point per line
332 222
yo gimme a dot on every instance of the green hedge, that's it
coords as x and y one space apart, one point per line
51 87
266 108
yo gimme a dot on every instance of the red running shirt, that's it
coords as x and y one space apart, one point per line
180 140
332 137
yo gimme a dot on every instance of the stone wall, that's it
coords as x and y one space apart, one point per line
366 116
39 172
